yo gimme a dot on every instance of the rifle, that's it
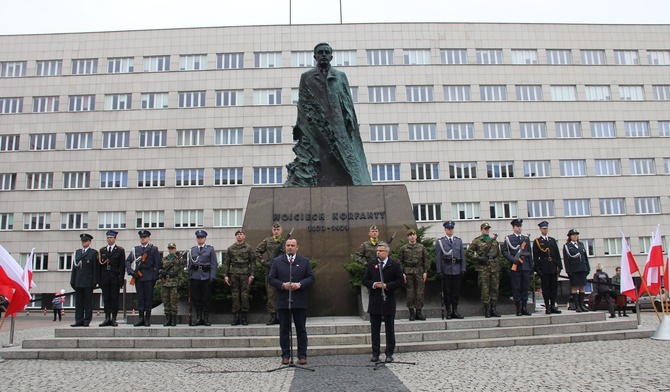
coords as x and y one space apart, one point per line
517 258
392 237
488 247
139 265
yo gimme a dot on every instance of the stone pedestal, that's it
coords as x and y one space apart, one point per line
329 223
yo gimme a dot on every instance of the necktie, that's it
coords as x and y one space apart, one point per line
290 259
109 249
450 241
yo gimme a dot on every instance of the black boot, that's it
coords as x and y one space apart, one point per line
168 320
205 320
174 320
236 319
611 308
494 311
454 312
198 318
419 316
105 323
140 322
147 318
447 310
581 303
524 309
113 321
518 308
554 308
574 299
547 306
244 318
412 315
487 311
273 319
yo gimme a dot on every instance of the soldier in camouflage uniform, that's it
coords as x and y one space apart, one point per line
415 262
488 264
239 263
169 275
368 250
266 253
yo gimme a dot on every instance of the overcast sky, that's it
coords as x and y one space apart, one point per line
49 16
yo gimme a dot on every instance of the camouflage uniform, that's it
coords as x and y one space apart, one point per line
170 276
238 265
415 261
266 253
367 252
489 270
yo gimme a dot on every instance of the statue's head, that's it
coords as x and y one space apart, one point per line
323 54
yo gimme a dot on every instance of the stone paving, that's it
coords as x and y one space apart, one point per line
589 366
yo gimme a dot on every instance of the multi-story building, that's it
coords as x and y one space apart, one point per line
168 130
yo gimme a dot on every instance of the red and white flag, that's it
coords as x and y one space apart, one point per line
652 270
28 271
628 266
11 275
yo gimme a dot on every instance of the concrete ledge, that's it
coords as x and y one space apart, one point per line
162 343
509 332
49 343
559 329
541 340
639 334
111 343
611 325
486 343
459 334
474 323
73 355
81 332
524 321
196 332
570 317
126 355
20 354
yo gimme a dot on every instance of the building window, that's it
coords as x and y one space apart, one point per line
84 66
65 261
631 93
524 56
7 181
535 130
663 128
460 131
666 164
49 68
154 100
7 221
295 96
563 93
193 62
39 181
642 167
230 98
386 172
380 57
76 180
267 135
111 220
661 92
12 69
636 128
383 132
45 104
157 63
559 56
590 245
149 219
425 171
189 177
150 178
73 220
489 56
381 94
612 206
344 58
113 179
645 244
416 57
420 94
493 93
230 61
503 209
593 57
79 141
267 97
228 218
228 136
568 130
528 93
115 139
43 142
462 170
577 207
188 218
598 93
496 131
302 59
353 90
573 168
658 57
11 105
190 137
603 129
540 208
81 103
422 131
37 221
40 261
608 167
465 211
153 138
268 175
427 212
536 169
120 65
228 176
454 56
500 169
267 59
191 99
9 143
612 246
626 57
647 205
457 93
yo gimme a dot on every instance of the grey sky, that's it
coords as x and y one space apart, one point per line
48 16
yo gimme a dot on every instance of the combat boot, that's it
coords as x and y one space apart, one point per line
205 320
147 318
419 316
273 319
173 320
487 311
113 322
236 319
455 314
168 320
524 309
547 307
494 312
105 323
198 318
554 308
518 307
412 315
140 322
244 318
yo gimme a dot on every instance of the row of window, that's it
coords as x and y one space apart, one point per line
194 62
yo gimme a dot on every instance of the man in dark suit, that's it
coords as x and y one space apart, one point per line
548 265
516 249
110 277
291 274
382 277
147 262
83 279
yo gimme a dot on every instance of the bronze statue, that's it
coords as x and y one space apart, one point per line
329 149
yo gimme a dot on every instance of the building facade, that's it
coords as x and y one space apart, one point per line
167 130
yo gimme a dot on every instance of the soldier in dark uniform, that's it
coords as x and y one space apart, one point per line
267 251
170 274
83 279
202 266
239 263
415 263
484 251
110 277
142 264
577 267
450 263
368 249
516 249
548 265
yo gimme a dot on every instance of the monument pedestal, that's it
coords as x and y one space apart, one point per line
330 223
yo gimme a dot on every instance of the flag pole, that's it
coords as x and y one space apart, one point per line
651 299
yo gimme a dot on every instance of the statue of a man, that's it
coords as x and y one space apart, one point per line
329 150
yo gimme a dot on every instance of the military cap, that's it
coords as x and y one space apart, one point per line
172 245
517 222
484 226
240 231
572 231
543 224
85 237
144 233
112 233
449 224
276 225
411 231
374 227
201 233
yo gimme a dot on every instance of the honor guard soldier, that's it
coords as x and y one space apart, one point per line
267 251
368 250
516 249
547 263
83 280
239 263
484 252
143 264
202 266
577 267
415 263
170 274
110 277
450 264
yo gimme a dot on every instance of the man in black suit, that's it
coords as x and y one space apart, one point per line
548 265
291 274
142 264
83 279
110 277
382 277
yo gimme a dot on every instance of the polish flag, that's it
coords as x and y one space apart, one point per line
652 270
11 275
28 271
628 266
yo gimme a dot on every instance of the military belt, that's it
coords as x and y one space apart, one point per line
199 267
